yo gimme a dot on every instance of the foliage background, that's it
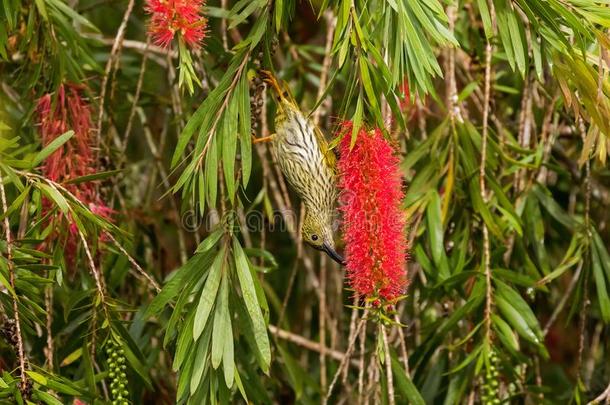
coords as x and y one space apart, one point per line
504 137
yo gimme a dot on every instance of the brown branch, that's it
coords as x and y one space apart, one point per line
452 94
322 322
482 185
403 344
564 299
136 98
306 343
388 366
344 361
48 304
11 271
133 262
331 23
604 397
223 106
116 47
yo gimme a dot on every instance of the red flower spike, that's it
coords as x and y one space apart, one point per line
373 223
69 111
169 17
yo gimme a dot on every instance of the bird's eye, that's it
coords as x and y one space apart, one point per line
314 237
285 94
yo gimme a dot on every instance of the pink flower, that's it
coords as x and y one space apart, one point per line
169 17
373 222
69 111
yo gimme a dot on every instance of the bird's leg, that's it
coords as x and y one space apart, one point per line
262 139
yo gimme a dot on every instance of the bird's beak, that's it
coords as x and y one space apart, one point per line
333 254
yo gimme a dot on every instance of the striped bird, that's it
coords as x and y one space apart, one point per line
309 166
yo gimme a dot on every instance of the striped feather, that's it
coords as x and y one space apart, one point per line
305 159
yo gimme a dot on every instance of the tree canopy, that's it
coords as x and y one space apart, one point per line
151 250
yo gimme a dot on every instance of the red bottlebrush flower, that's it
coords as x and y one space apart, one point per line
373 223
169 17
69 111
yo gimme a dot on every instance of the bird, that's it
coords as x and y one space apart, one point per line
308 164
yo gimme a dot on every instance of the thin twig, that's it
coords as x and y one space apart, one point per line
331 22
322 323
165 180
306 343
135 45
133 262
388 366
482 185
403 345
352 327
223 106
99 283
116 47
362 340
11 270
452 94
482 168
564 299
48 304
344 361
585 304
136 98
603 397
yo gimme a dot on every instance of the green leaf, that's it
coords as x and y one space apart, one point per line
600 284
517 302
93 177
211 171
435 226
505 333
39 378
243 96
56 196
222 324
179 279
208 294
516 320
211 241
17 203
51 147
47 398
405 385
248 290
229 145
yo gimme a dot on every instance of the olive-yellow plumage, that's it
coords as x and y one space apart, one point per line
308 164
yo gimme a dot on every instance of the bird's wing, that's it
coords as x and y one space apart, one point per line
329 155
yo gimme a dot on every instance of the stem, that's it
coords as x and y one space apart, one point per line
482 185
344 361
388 366
11 271
116 47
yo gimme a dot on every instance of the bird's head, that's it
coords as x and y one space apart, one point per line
282 94
317 232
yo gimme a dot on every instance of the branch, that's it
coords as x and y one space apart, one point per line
116 47
388 366
344 363
482 185
306 343
11 271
